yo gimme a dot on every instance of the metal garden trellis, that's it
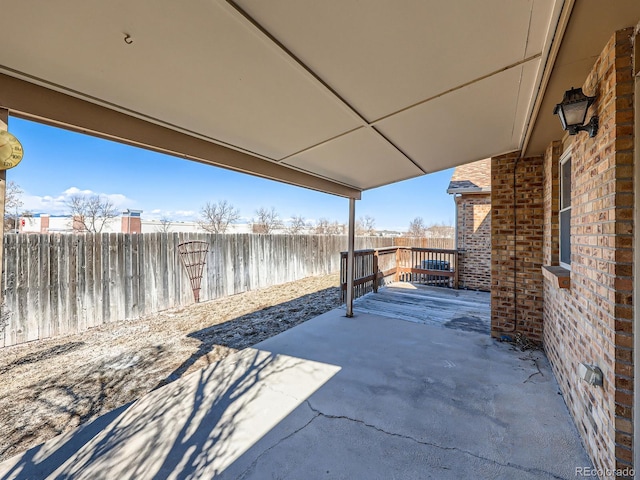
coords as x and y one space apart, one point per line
194 256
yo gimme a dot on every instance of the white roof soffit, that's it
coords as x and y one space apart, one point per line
360 94
589 27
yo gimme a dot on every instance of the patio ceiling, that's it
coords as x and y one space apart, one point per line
338 95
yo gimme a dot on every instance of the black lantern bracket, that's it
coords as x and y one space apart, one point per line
572 112
591 127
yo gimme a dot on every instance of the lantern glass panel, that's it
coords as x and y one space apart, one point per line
575 113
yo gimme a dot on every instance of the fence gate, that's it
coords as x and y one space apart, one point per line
194 256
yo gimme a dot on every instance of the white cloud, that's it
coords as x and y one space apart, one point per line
176 215
57 205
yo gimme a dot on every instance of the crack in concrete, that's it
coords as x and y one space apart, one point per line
539 372
275 390
286 437
318 413
536 471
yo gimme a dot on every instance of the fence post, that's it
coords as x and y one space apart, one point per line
343 277
456 272
396 276
375 271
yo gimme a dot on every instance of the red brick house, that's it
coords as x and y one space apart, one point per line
471 187
342 98
567 281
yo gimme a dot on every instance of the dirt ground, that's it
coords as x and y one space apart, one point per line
51 386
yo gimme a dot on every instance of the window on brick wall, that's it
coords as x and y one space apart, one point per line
565 211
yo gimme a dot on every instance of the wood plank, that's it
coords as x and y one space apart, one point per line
127 275
180 275
147 287
9 277
142 272
33 288
89 281
24 328
75 324
154 283
106 279
360 281
63 285
135 275
437 273
54 283
115 297
71 324
98 260
163 273
245 260
44 294
118 283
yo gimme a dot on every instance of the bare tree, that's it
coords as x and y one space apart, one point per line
297 225
325 227
165 225
366 226
92 212
337 228
440 230
417 228
217 216
266 221
322 227
12 203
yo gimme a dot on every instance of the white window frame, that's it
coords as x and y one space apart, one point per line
566 157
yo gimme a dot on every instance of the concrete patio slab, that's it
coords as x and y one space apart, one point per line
367 397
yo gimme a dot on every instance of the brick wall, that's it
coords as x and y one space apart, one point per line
516 246
474 236
592 321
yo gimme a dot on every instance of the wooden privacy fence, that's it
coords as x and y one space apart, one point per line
427 242
58 284
380 266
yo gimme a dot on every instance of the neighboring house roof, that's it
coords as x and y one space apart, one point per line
473 177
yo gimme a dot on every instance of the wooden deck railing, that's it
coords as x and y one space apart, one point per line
377 267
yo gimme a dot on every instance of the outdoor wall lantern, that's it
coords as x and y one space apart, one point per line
573 110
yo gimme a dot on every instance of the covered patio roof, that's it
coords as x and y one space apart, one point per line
336 96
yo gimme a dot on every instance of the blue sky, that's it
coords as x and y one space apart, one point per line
58 163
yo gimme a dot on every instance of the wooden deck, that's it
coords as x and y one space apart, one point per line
459 309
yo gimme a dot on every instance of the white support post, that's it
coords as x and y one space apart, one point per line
350 255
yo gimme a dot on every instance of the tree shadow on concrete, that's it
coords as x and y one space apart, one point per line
99 390
197 414
248 330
